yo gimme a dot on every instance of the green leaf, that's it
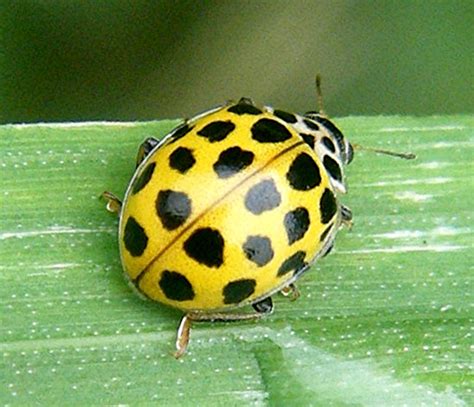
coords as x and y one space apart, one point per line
384 320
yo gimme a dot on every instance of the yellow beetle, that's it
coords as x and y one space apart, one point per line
231 207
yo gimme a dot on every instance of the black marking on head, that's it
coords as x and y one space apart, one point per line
327 206
134 237
262 197
332 167
269 131
238 290
180 132
329 144
217 131
231 161
206 246
326 232
182 159
143 178
335 132
308 139
310 124
285 116
293 263
243 107
296 224
173 208
258 249
175 286
303 173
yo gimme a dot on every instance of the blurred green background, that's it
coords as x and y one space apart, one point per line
137 60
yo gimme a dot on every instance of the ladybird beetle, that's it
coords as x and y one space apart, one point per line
231 207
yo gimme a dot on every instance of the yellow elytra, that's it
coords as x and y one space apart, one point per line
231 207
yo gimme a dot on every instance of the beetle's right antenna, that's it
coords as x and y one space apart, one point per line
405 156
319 94
319 98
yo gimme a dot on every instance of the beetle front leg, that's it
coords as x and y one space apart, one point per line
145 149
114 204
346 216
291 291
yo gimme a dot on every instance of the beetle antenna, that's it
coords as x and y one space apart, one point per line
319 94
405 156
319 98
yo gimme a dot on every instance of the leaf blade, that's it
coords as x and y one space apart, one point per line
392 301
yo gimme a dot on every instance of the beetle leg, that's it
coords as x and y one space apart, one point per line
182 336
262 308
145 149
291 291
246 101
346 216
113 203
327 250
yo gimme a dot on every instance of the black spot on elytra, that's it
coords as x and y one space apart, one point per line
258 249
296 224
182 159
173 208
327 206
217 131
310 124
285 116
175 286
143 178
242 108
262 197
269 131
134 237
329 144
332 167
308 139
237 291
231 161
303 173
326 232
206 246
180 132
293 263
